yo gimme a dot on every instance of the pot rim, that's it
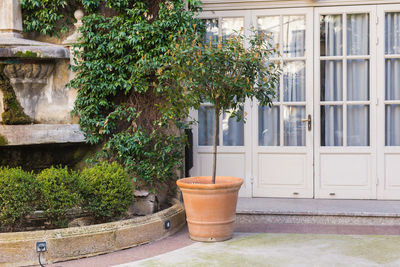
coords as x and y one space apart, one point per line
204 182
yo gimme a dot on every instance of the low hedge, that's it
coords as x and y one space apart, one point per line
18 196
59 193
108 192
104 190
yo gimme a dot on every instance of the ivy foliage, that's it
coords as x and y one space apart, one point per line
124 43
45 16
51 17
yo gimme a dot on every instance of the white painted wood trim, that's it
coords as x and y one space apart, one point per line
214 5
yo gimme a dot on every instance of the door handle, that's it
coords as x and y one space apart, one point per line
309 121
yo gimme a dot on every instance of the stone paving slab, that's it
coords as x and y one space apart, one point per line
284 250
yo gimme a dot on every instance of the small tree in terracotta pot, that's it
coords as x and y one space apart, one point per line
224 73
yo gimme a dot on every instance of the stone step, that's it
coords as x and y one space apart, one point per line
317 211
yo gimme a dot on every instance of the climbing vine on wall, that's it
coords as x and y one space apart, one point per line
124 43
50 17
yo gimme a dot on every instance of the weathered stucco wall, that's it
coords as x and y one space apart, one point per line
57 101
49 101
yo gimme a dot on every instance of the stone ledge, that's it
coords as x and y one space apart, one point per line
41 134
18 249
316 219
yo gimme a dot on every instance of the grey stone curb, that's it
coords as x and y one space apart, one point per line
19 249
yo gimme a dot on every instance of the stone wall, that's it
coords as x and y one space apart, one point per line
54 101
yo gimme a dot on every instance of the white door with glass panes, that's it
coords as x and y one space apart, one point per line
345 102
282 135
389 102
234 157
334 130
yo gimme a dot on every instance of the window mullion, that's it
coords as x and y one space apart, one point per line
282 131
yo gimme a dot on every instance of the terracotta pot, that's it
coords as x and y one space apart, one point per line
210 208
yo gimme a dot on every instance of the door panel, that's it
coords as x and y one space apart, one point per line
234 142
345 102
282 142
389 104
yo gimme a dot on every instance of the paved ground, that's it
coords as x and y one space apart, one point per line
284 250
266 245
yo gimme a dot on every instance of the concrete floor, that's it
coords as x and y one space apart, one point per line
276 250
265 245
277 244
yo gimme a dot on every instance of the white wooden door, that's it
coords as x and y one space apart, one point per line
388 87
282 136
234 139
342 67
345 102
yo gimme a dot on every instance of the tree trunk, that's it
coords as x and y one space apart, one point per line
216 117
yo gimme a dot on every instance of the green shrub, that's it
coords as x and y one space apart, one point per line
107 191
60 192
150 158
18 196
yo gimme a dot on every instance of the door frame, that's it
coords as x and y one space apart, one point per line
307 189
202 153
339 192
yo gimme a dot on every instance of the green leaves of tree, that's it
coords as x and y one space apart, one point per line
223 73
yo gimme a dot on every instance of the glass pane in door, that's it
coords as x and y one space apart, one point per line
356 87
392 69
392 125
392 33
294 36
294 81
331 125
358 80
331 43
294 128
232 130
206 126
331 80
211 33
392 79
358 125
270 25
357 34
268 126
231 26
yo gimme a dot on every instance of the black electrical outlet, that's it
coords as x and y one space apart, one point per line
41 246
167 224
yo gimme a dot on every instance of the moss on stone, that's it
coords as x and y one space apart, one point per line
13 112
27 54
3 140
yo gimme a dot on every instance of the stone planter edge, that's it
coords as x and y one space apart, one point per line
18 249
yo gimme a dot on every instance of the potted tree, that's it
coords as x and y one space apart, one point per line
222 72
